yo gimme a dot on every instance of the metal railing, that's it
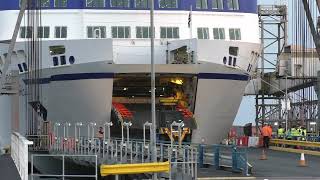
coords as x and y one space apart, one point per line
183 158
64 175
225 156
19 153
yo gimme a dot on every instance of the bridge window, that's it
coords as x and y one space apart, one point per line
56 50
120 32
217 4
26 32
96 32
45 3
234 51
61 32
95 3
203 33
235 34
202 4
43 31
60 3
120 3
233 4
141 4
169 32
218 33
168 3
143 32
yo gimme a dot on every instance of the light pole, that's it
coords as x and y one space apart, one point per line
108 125
56 135
77 127
65 134
153 92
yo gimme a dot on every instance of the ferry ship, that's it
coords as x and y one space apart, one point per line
95 55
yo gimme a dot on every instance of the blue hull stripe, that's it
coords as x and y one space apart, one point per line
84 76
71 77
245 6
238 77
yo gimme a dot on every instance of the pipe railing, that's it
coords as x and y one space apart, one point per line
19 153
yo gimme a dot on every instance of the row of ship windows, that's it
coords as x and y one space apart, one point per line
144 4
125 32
55 61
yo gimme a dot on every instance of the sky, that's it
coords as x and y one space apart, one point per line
246 113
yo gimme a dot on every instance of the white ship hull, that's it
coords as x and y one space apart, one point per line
83 93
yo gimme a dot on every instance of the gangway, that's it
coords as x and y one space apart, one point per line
129 156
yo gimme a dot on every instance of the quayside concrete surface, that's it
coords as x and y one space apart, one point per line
278 166
8 170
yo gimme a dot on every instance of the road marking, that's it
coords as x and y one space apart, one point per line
225 178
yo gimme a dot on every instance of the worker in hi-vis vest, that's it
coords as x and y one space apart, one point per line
294 133
281 132
266 132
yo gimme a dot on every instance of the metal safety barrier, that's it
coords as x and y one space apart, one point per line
224 156
63 174
295 143
19 153
119 169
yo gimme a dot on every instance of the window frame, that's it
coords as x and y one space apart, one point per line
202 5
135 4
231 5
236 38
176 1
172 32
102 29
120 6
43 28
93 6
58 4
60 32
45 2
124 32
203 31
216 2
142 32
221 33
28 30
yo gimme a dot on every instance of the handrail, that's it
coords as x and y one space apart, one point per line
295 143
19 153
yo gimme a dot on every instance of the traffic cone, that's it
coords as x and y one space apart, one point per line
302 161
263 155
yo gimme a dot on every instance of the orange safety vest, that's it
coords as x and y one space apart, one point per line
266 131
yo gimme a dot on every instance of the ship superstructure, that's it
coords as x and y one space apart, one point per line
96 53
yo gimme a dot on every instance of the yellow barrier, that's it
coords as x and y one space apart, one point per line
295 143
118 169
